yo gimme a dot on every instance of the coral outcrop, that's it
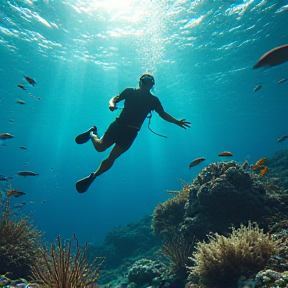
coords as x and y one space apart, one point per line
221 195
144 271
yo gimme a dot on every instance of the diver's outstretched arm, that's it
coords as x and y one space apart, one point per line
169 118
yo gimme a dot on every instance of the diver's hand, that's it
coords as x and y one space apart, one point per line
112 108
183 124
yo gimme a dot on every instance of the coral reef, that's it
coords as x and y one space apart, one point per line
65 267
224 194
144 271
278 169
225 259
125 245
126 242
178 249
168 215
271 279
19 241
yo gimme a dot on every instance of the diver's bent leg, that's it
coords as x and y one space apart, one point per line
108 162
83 184
98 145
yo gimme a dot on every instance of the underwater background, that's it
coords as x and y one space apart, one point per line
82 53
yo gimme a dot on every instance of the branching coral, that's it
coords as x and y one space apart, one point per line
178 249
61 268
223 259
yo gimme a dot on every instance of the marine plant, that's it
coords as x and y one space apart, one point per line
178 249
225 259
19 241
168 215
66 266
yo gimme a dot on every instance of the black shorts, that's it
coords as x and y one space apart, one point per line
120 134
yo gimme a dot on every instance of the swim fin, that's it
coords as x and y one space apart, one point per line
83 184
84 137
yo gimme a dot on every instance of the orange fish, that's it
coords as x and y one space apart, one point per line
30 80
282 138
20 102
15 193
5 136
225 153
27 173
259 163
21 86
273 57
196 162
263 171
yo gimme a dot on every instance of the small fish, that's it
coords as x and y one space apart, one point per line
263 171
5 178
196 162
282 80
20 102
257 87
23 147
15 193
259 163
226 153
5 136
273 57
27 173
282 138
30 80
19 205
21 86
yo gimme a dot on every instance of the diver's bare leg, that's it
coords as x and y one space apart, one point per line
99 145
108 162
83 184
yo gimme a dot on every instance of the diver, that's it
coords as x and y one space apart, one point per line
139 102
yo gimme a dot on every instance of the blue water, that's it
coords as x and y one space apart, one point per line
82 53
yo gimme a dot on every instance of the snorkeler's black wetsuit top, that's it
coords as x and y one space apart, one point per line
137 106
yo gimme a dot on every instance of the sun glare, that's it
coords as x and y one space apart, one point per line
142 20
111 6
